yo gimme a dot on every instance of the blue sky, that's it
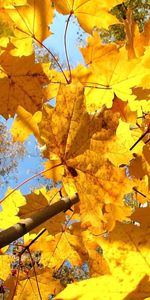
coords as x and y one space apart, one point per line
32 163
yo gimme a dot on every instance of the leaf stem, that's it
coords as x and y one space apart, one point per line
65 45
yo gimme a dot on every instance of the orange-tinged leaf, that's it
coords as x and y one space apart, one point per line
141 189
141 39
140 164
81 141
88 12
123 108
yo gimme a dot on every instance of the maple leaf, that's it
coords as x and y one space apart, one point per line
106 78
78 246
32 21
55 249
21 83
79 144
27 287
88 12
126 249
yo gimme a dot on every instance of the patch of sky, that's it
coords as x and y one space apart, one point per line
29 165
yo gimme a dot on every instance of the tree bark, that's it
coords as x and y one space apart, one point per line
25 225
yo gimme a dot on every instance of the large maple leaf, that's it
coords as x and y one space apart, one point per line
127 250
31 21
78 141
106 78
88 12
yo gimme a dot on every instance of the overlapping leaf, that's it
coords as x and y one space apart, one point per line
28 288
31 21
88 12
78 144
127 252
21 82
106 76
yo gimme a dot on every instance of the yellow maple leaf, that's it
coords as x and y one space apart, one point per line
79 142
126 249
95 51
21 84
27 287
88 12
106 78
56 249
32 21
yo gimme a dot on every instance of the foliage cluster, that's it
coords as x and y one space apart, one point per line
96 142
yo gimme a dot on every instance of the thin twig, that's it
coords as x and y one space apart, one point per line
65 45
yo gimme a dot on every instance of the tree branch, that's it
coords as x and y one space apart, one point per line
25 225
